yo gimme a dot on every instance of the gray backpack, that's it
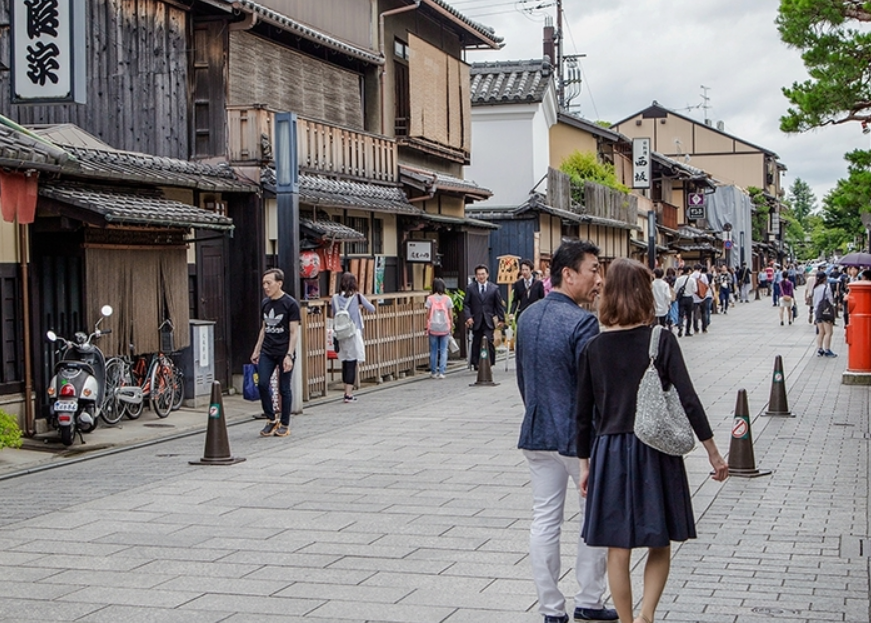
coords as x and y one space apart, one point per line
343 325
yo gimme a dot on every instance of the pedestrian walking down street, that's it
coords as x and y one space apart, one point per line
439 327
743 276
762 282
276 348
787 297
725 279
662 298
636 496
351 350
526 290
776 278
823 292
685 289
550 337
483 309
701 298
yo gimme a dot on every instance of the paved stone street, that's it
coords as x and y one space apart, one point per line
413 505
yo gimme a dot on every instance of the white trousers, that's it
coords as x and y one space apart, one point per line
745 292
550 473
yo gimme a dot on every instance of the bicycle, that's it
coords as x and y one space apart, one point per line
154 374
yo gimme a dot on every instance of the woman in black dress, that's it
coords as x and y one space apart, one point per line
636 496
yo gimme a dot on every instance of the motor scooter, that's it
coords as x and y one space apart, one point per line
78 386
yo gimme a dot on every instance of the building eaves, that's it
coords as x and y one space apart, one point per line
429 181
657 109
299 29
157 170
140 207
335 193
510 82
21 148
484 34
455 220
591 127
329 230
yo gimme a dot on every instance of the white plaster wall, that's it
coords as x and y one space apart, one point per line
511 149
8 242
503 152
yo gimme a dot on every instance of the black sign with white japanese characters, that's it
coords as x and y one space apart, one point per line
48 51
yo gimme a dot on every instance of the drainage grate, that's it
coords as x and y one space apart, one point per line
159 425
855 546
842 424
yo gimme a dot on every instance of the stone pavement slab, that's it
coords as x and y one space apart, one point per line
413 505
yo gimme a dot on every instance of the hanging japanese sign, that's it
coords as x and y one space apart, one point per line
48 51
640 163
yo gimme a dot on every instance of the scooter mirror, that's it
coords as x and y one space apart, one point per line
106 310
52 336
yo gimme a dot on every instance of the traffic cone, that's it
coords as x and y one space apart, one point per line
742 463
217 450
485 376
777 404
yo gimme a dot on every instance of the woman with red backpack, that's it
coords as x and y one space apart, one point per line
439 326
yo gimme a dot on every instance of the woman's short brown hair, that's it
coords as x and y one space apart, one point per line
627 297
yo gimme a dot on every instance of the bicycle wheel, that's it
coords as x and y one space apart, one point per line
112 409
161 389
177 388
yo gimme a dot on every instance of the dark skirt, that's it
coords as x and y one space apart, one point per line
636 496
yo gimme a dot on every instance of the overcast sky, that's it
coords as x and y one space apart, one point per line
638 51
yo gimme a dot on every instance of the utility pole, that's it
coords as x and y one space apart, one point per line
561 89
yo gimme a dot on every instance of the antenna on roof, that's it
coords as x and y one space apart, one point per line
706 105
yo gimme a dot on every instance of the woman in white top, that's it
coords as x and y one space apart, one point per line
661 297
351 350
824 327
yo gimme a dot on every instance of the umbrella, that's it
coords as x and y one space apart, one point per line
856 259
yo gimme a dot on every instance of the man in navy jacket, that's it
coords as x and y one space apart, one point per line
550 336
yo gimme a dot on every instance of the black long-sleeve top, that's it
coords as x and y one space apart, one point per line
609 373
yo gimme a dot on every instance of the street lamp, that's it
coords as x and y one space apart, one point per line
287 199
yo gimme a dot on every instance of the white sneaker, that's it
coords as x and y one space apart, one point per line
433 376
441 376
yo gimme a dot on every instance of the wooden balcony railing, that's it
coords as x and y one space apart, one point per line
394 336
667 215
322 147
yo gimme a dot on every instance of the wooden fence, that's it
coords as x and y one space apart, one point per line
394 336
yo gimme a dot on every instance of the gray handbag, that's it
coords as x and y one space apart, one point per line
660 419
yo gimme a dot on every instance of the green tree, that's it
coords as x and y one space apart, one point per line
585 166
844 204
802 200
836 49
760 213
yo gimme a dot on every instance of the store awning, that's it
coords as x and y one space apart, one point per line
115 206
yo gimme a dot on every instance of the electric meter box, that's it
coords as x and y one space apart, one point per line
198 364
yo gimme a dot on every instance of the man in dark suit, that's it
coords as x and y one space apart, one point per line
527 290
481 304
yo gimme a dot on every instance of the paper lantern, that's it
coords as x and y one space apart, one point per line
309 264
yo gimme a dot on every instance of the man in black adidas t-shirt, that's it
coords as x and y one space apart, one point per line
276 348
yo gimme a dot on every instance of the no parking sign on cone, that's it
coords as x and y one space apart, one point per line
742 463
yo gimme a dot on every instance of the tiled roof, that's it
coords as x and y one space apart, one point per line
133 166
533 205
488 33
510 82
139 207
18 147
456 220
428 180
333 193
289 24
331 230
326 192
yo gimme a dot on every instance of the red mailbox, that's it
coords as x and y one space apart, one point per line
858 332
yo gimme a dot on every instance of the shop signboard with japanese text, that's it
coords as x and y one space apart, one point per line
419 251
640 163
48 51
